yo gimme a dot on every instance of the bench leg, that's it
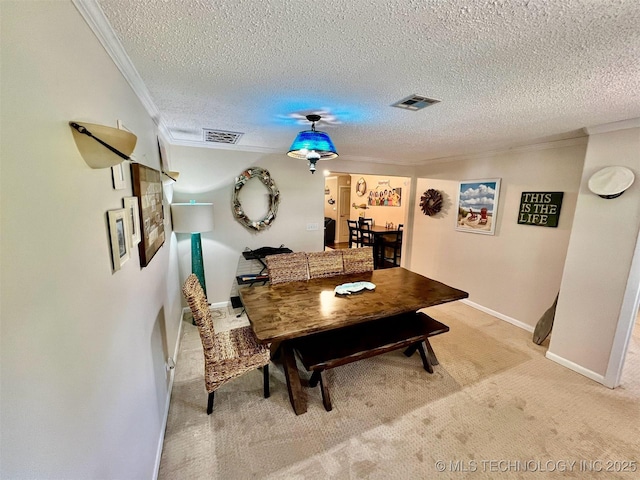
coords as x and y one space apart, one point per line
297 396
425 360
432 354
411 350
326 399
315 378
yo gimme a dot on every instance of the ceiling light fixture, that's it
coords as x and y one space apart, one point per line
312 145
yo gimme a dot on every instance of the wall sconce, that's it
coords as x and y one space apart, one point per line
611 182
169 177
101 146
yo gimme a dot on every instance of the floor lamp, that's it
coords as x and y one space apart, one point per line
194 218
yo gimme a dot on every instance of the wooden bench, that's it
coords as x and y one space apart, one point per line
333 348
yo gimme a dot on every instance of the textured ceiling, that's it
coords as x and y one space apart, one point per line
507 72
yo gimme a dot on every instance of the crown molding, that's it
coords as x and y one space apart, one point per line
612 127
100 26
570 142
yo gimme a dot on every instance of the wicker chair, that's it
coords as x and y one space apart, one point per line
227 355
325 264
287 267
358 260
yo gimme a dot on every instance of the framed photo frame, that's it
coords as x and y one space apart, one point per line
119 237
117 173
133 219
147 186
478 206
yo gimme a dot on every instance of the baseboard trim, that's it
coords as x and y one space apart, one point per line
167 403
220 304
512 321
596 377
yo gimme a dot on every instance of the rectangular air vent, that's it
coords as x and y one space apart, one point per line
415 102
221 136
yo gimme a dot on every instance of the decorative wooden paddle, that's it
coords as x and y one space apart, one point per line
545 324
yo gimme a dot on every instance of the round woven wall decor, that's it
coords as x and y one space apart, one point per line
274 198
431 202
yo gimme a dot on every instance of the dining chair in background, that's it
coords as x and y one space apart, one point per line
358 260
325 264
367 238
392 247
354 233
229 354
287 267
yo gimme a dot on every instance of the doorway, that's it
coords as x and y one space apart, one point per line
344 205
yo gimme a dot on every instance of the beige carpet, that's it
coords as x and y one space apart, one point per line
494 408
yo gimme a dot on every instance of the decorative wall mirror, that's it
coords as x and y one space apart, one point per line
274 198
361 187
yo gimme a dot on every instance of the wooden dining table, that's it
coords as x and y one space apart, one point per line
284 312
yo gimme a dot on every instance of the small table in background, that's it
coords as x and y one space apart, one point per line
378 233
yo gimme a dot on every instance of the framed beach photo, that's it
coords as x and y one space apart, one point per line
119 236
478 206
133 219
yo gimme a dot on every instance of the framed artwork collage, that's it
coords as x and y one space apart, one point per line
140 221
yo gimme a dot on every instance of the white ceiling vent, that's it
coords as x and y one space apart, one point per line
415 102
221 136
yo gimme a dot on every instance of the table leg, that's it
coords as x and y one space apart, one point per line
377 252
297 396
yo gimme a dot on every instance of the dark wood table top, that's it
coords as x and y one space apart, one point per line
291 310
379 230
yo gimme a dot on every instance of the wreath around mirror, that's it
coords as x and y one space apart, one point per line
274 198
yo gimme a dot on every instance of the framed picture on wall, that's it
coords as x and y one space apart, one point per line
133 220
147 186
117 173
478 206
385 197
119 236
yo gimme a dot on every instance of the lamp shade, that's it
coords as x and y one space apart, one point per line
192 217
312 141
101 146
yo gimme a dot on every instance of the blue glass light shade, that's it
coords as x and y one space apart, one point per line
312 140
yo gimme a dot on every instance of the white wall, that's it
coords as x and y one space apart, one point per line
515 273
209 175
598 260
84 387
